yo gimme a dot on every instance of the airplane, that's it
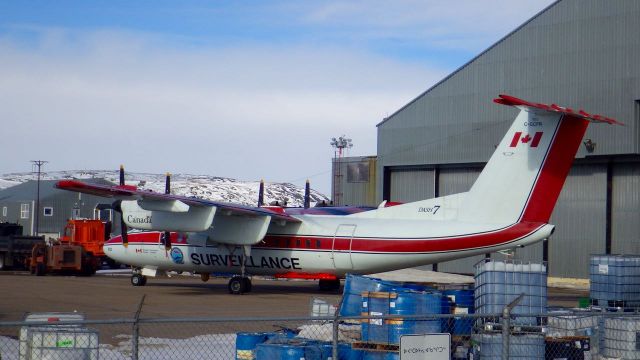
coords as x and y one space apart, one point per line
508 206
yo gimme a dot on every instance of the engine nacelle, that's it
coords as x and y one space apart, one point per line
194 219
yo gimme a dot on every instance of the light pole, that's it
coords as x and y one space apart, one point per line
339 145
38 164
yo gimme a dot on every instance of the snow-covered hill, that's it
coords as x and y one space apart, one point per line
201 186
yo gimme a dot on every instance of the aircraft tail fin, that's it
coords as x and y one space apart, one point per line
525 174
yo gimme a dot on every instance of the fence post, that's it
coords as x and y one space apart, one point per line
136 330
336 332
506 325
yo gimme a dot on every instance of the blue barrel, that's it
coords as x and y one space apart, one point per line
462 303
246 343
354 286
307 350
345 352
399 303
378 355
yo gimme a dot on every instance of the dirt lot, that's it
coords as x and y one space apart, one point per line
108 297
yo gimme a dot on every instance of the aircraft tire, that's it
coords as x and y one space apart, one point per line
238 285
40 269
329 285
138 280
247 284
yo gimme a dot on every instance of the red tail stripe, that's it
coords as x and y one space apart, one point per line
555 169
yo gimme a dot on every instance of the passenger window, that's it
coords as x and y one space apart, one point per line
308 243
318 244
298 243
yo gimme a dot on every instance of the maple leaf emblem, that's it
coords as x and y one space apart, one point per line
526 139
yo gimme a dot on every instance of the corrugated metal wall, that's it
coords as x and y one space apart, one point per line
356 190
580 219
625 209
579 53
412 185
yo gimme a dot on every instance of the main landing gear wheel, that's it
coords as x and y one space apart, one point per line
329 285
239 285
138 280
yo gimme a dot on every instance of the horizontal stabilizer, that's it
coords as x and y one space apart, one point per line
519 103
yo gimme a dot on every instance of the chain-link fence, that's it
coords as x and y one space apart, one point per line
562 334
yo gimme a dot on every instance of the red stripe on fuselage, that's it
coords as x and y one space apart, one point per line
555 169
444 244
376 245
148 237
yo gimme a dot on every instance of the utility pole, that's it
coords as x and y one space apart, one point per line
38 164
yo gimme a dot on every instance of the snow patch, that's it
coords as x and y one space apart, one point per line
208 187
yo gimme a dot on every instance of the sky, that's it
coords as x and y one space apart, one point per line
243 89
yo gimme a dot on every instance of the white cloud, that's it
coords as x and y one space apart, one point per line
94 98
472 24
105 98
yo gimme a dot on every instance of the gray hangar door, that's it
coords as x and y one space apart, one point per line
625 209
454 181
580 219
411 185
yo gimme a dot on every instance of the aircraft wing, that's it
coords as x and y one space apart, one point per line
170 203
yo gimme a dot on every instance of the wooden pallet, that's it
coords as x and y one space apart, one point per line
376 346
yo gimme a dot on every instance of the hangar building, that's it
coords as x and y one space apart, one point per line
582 54
18 205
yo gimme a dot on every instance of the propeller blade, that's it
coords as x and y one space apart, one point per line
121 174
166 238
167 184
117 206
261 194
123 231
307 195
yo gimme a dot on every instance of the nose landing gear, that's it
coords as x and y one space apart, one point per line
239 285
138 280
329 285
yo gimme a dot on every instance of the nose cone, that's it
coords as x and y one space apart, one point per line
111 248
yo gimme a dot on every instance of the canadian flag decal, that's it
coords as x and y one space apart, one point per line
526 139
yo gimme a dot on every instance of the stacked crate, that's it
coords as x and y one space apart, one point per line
615 281
497 284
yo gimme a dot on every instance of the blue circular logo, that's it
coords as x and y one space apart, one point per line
176 255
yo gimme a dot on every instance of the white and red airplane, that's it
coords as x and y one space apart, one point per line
508 206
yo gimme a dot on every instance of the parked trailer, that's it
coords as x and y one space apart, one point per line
15 248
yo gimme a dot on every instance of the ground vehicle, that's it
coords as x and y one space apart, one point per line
91 235
15 247
61 258
78 251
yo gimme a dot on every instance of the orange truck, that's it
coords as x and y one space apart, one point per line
78 251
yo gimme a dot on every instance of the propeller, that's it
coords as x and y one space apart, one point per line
307 195
167 235
261 194
117 206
